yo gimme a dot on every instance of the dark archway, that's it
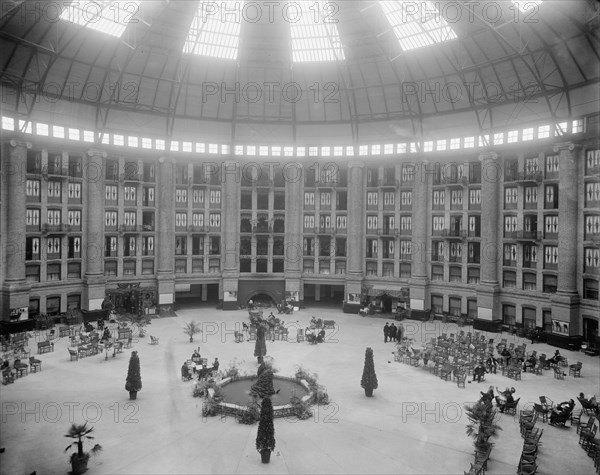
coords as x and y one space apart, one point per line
262 299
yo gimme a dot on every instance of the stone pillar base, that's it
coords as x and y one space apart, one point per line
94 291
166 289
230 293
14 295
565 309
487 303
420 298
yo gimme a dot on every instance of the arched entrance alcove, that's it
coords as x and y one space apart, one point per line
263 299
273 290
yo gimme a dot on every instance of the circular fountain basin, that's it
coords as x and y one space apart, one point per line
236 394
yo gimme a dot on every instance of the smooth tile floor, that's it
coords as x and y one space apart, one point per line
414 424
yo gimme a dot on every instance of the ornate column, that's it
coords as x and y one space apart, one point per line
293 175
356 236
165 225
230 225
421 242
15 290
565 303
93 279
491 250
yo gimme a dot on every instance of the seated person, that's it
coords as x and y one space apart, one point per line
506 397
185 372
530 362
89 327
321 336
590 400
196 357
478 372
556 358
491 364
106 334
215 366
562 411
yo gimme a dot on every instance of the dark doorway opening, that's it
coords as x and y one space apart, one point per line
387 303
262 301
194 297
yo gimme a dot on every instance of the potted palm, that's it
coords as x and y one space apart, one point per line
191 328
482 424
265 438
369 378
133 383
79 459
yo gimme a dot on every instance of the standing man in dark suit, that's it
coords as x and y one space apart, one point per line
386 332
393 332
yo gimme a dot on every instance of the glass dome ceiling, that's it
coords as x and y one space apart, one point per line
428 69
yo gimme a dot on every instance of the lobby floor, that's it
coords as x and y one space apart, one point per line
414 424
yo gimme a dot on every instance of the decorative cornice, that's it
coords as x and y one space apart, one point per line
95 152
20 143
488 156
356 164
570 146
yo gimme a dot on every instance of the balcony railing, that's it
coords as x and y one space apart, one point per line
455 181
454 233
56 172
55 228
529 235
130 228
130 177
196 229
530 177
389 231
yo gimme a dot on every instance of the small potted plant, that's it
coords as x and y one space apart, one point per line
79 459
265 438
133 383
369 378
191 328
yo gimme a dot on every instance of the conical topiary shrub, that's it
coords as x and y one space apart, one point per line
369 378
265 438
133 383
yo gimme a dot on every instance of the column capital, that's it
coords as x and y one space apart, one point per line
20 143
488 156
356 163
166 160
570 146
96 152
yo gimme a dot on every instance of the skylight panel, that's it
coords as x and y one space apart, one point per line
315 35
215 31
417 24
526 5
110 17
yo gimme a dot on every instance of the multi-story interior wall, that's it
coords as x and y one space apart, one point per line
509 233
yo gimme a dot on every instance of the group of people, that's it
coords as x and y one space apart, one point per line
503 398
313 337
186 374
392 332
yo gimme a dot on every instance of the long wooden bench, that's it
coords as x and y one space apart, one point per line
45 347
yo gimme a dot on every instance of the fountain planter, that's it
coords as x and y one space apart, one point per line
238 411
369 392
